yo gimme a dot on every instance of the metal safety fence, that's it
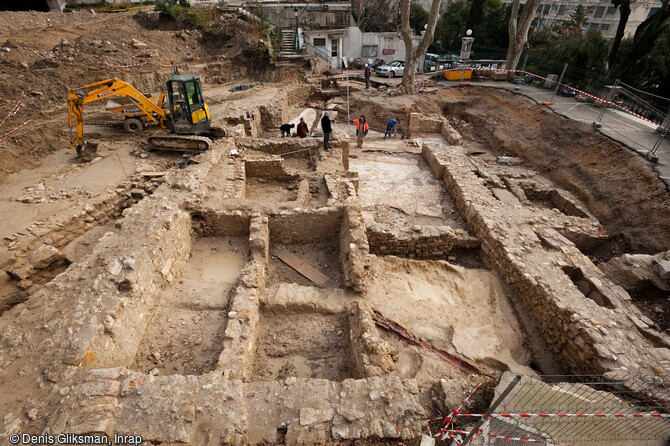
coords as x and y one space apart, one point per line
566 410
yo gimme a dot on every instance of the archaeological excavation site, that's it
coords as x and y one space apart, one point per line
493 273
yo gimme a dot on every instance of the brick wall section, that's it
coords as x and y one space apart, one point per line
430 242
588 338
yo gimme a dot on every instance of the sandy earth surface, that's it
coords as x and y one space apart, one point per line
185 333
463 311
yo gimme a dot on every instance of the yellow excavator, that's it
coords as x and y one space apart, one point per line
186 115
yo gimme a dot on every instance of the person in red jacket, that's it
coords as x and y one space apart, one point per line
362 129
302 128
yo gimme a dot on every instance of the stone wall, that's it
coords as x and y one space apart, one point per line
371 354
420 123
588 338
354 248
233 223
241 335
305 226
271 167
423 242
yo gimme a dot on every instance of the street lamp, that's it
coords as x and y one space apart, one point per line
297 38
466 48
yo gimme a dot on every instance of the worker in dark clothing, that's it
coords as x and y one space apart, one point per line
302 128
286 129
391 128
327 128
367 72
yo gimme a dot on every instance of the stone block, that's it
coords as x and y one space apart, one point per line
44 256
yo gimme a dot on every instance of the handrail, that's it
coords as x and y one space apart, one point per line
323 54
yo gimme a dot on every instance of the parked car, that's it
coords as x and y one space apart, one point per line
395 68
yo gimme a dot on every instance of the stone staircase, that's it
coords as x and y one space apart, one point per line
288 42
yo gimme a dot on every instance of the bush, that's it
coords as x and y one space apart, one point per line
166 8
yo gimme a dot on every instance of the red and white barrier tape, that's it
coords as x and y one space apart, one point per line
568 415
613 104
449 419
9 133
13 111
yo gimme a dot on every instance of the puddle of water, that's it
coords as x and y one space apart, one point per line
222 267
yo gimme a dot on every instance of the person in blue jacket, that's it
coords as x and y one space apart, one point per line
391 128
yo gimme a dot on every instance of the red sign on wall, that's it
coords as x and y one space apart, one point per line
388 52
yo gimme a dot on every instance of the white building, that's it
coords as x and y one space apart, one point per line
331 45
601 14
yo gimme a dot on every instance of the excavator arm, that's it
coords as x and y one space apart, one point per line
77 98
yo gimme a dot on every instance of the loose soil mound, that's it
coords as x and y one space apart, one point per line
49 53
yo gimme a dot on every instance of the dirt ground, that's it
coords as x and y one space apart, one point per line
303 346
185 335
451 307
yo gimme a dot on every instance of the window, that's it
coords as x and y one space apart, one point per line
604 27
369 51
562 9
319 41
554 8
586 26
539 9
546 9
333 48
611 10
600 11
594 25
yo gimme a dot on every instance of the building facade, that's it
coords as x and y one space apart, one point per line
601 14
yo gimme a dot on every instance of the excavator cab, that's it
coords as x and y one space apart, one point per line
188 112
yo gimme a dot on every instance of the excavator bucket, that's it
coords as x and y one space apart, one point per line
87 150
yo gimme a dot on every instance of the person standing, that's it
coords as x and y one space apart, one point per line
327 128
362 129
367 72
302 128
391 128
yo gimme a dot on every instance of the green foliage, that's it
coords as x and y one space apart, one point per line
491 31
579 17
262 12
418 18
166 8
451 25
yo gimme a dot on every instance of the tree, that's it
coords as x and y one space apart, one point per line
518 31
412 53
624 13
579 18
418 17
451 25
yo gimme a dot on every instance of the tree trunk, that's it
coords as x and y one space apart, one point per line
662 15
518 31
412 53
624 13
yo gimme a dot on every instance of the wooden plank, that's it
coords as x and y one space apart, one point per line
302 267
152 174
